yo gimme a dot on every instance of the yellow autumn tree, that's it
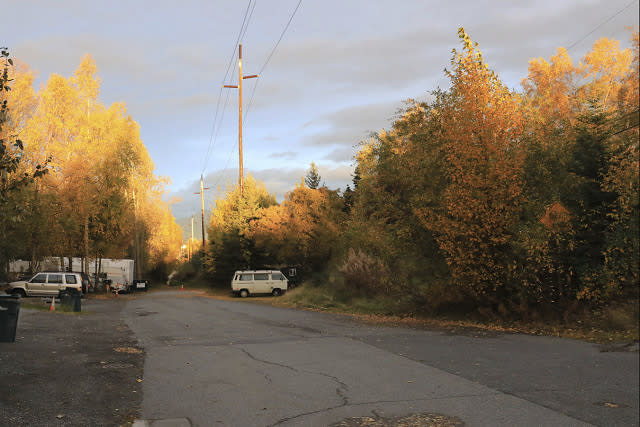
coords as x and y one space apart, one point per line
303 231
230 245
481 125
101 179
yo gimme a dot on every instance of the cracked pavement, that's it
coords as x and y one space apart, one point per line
235 363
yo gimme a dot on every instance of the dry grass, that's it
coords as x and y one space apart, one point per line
611 325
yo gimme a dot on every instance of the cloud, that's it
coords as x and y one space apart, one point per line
350 125
340 155
287 155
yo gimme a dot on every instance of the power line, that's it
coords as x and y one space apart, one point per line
286 27
281 36
215 127
247 26
246 113
601 24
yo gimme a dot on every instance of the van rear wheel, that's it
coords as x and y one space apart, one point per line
276 292
244 293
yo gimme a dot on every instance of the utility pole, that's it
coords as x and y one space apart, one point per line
239 87
191 239
202 188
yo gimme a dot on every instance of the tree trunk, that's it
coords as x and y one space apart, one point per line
33 264
85 264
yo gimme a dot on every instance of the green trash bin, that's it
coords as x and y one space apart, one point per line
73 300
9 312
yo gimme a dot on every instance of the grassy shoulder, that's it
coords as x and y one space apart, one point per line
617 324
42 306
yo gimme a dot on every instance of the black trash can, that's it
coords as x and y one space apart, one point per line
73 300
76 302
9 312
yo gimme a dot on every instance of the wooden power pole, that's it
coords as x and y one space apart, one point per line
191 239
239 87
202 188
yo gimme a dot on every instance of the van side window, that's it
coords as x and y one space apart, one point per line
277 276
55 278
246 277
261 276
71 279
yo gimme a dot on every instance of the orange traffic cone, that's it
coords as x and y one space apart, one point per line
116 293
52 307
182 287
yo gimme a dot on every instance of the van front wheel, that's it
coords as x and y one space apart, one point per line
244 293
276 292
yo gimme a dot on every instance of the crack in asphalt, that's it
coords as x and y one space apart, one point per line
251 356
341 390
331 408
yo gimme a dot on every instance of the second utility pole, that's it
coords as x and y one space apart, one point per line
239 87
201 193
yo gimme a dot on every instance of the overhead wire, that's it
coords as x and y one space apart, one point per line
264 65
266 62
215 127
601 24
241 36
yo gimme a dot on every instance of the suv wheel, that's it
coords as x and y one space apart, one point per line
20 292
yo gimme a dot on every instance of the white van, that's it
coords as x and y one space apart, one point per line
251 282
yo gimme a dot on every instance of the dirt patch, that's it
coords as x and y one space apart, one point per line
130 350
413 420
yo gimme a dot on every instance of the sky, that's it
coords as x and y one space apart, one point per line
341 71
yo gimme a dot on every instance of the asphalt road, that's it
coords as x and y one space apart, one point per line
71 369
235 363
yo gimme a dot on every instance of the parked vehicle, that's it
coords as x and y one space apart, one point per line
118 271
47 284
87 284
252 282
140 285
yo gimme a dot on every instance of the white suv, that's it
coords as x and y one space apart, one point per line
272 282
47 284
